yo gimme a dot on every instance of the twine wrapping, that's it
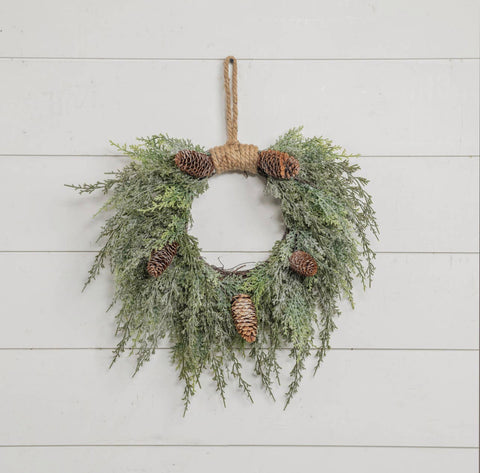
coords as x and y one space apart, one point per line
233 156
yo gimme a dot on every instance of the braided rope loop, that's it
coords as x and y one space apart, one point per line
233 156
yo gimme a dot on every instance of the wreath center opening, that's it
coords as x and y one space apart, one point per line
235 222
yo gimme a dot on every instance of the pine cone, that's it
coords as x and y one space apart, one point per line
194 163
244 317
277 164
303 263
160 260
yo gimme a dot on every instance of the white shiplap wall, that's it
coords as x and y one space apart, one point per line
397 81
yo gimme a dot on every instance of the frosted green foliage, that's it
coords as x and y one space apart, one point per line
327 213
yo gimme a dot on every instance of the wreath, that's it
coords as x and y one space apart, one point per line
214 318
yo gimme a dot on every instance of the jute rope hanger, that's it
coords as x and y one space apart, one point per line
233 155
231 95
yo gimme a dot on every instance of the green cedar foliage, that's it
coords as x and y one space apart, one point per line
327 213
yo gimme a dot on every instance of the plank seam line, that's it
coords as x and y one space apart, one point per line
250 59
453 156
252 252
127 349
456 447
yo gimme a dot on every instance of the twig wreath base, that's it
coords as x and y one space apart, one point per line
211 317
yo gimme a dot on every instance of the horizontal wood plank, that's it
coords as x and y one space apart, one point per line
236 459
369 107
214 28
419 301
357 398
423 205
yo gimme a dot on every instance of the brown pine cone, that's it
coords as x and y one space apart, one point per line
194 163
244 317
303 263
278 164
160 260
